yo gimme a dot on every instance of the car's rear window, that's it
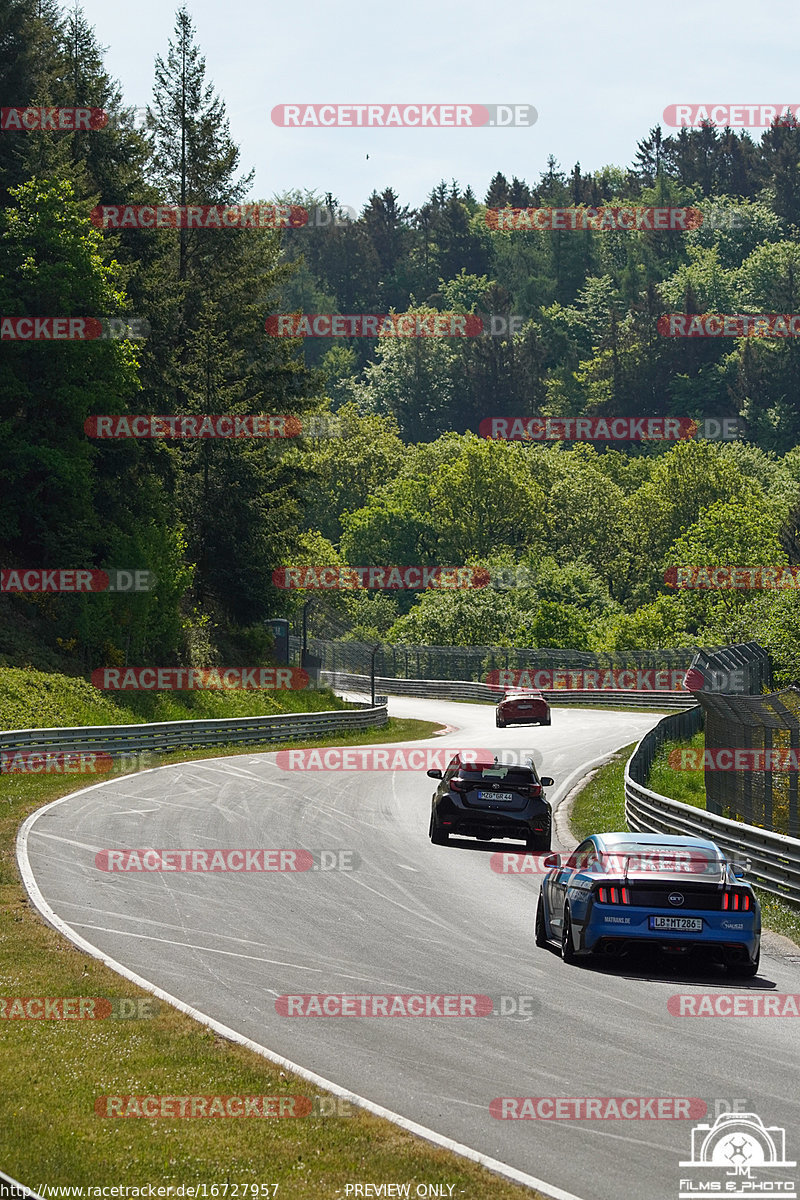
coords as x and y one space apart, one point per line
642 858
500 774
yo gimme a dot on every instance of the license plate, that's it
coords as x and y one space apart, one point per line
679 924
495 795
521 706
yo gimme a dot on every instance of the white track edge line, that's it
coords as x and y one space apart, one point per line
22 1187
428 1135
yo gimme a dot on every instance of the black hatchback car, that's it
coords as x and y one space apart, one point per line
488 799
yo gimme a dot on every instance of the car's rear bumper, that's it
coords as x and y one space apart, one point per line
524 718
468 821
733 935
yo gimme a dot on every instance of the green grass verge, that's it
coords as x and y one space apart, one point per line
39 700
599 807
51 1072
778 915
689 787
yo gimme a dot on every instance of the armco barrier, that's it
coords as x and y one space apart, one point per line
472 662
173 735
774 859
465 689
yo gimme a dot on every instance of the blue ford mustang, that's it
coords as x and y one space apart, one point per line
618 891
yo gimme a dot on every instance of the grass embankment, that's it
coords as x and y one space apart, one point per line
51 1072
37 700
600 808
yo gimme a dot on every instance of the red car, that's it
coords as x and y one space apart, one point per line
524 707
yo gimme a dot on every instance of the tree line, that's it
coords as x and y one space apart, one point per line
410 482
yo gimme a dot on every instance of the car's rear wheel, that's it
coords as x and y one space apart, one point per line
537 841
567 948
540 931
744 970
500 724
438 836
547 722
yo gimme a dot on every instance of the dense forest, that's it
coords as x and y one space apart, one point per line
577 537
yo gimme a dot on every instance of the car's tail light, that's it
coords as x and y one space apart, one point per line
736 901
613 895
457 784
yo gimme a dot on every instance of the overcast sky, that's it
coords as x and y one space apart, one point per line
599 75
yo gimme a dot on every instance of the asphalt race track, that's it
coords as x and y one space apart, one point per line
417 918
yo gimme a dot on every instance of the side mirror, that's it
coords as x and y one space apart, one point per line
434 773
546 781
552 860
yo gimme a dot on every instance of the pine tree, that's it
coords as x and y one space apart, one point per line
499 193
194 157
209 352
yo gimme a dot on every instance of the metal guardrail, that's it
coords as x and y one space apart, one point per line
464 689
770 860
172 735
474 662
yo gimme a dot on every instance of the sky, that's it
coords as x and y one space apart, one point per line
598 74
